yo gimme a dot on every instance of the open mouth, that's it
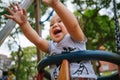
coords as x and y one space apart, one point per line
57 31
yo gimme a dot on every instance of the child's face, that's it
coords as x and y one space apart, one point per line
57 29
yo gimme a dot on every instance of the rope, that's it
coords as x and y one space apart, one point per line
117 31
51 13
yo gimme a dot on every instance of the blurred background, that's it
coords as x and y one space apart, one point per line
96 18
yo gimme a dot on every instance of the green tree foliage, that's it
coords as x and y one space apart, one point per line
99 29
25 62
2 11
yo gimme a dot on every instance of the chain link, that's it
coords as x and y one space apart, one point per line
117 31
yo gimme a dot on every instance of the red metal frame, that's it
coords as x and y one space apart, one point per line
119 71
40 76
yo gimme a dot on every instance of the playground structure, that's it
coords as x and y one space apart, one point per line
11 24
72 57
78 56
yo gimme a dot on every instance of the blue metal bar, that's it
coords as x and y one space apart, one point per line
78 56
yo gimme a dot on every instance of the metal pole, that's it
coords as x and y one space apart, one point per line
37 26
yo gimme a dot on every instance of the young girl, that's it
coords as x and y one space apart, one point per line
65 33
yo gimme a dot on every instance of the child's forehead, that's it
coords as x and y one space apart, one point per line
55 17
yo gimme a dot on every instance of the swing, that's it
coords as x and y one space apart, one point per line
82 55
65 59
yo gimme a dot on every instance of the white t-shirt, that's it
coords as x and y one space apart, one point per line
82 69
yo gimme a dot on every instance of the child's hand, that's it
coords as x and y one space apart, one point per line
50 2
17 14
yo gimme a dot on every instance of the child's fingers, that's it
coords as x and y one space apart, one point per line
19 8
24 12
14 8
45 1
11 12
8 16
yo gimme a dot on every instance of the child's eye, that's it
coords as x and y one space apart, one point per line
60 21
51 25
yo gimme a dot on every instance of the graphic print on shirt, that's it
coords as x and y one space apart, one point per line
53 53
68 49
55 72
64 50
80 70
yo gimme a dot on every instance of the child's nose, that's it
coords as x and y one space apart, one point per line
55 25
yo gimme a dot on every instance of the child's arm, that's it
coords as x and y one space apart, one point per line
19 15
68 19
